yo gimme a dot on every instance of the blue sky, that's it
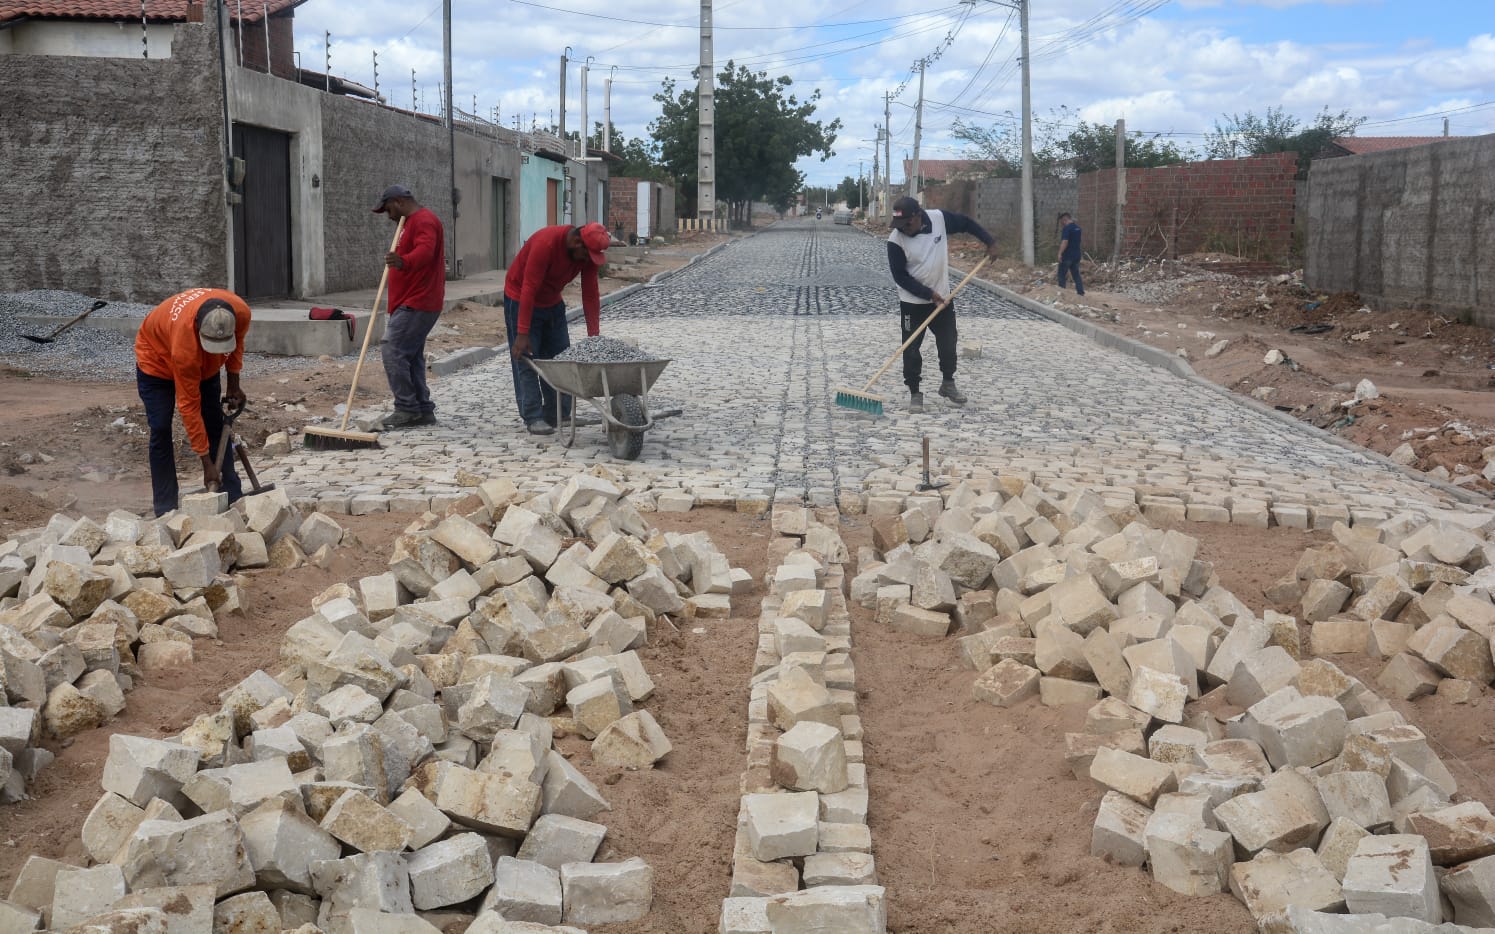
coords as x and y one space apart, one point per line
1166 66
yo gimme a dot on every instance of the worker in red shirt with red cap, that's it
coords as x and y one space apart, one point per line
417 292
182 344
535 313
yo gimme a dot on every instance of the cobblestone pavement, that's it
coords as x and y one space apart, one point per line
762 333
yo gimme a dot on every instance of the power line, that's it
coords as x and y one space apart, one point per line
645 22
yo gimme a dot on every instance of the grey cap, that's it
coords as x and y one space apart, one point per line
393 191
216 325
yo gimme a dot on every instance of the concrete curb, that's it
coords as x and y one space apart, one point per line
1181 368
472 356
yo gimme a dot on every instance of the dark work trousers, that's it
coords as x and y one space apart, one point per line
1071 266
159 396
548 336
404 353
912 316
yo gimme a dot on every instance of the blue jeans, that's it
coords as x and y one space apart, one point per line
404 353
159 396
548 336
1071 266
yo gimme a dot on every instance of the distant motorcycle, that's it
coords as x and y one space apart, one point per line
817 214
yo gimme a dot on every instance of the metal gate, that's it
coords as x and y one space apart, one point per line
498 248
262 219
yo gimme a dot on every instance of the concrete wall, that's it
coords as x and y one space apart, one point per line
1408 227
113 181
100 40
997 204
532 193
1243 206
481 160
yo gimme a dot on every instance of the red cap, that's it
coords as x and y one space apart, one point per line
596 239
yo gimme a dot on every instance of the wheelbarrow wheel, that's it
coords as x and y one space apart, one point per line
626 443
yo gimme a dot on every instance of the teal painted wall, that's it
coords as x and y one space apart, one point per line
532 208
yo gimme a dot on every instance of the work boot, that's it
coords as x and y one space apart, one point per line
540 427
948 390
400 418
916 402
426 418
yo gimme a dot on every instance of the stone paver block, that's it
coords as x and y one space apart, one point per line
79 894
1338 844
207 850
1159 694
525 891
1006 684
1138 778
1471 890
449 872
499 804
781 825
1408 677
1303 731
568 792
606 893
634 741
1456 834
849 909
364 825
1393 875
139 769
1119 833
1187 857
556 840
1271 882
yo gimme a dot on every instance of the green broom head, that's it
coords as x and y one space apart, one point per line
860 401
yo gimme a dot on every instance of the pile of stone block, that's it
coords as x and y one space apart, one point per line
399 773
86 609
1230 759
802 860
1417 594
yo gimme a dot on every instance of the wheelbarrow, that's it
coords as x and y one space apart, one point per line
618 391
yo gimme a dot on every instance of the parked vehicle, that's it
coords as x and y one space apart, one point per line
843 216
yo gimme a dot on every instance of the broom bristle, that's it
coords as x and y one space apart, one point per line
328 439
861 401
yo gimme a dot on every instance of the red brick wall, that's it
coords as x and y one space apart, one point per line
1243 206
622 207
282 43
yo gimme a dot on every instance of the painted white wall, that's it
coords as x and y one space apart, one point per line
95 40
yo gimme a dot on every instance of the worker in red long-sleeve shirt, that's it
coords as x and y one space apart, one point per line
535 313
417 292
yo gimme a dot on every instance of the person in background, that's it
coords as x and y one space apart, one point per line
417 292
1069 252
180 347
535 313
919 258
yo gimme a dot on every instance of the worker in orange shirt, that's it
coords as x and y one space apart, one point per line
181 346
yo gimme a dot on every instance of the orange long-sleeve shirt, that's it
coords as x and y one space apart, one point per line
167 347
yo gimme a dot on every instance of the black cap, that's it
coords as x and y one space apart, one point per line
393 191
906 207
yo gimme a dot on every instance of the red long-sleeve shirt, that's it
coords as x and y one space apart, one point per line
542 269
421 285
167 347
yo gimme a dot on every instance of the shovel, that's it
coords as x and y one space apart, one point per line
53 336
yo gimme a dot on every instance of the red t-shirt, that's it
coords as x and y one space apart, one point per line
421 285
544 267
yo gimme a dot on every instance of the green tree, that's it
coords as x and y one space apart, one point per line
1092 146
850 191
1247 134
761 131
1086 147
640 155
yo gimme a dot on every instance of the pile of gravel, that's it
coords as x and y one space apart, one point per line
605 350
84 352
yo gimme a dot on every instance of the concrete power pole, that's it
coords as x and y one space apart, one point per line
1025 235
565 58
1120 188
706 146
607 112
451 127
887 155
913 176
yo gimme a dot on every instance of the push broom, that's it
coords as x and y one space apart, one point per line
340 438
865 401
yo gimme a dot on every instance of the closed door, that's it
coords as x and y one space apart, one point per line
498 249
552 201
262 218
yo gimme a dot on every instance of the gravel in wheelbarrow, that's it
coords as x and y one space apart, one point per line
605 350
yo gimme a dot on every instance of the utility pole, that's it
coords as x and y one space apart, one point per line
1025 235
913 177
607 111
706 147
860 186
376 74
586 127
887 153
876 154
326 47
565 57
451 125
1120 188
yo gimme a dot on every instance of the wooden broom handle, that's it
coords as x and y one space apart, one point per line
368 330
920 329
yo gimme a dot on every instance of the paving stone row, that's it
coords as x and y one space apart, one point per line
760 336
